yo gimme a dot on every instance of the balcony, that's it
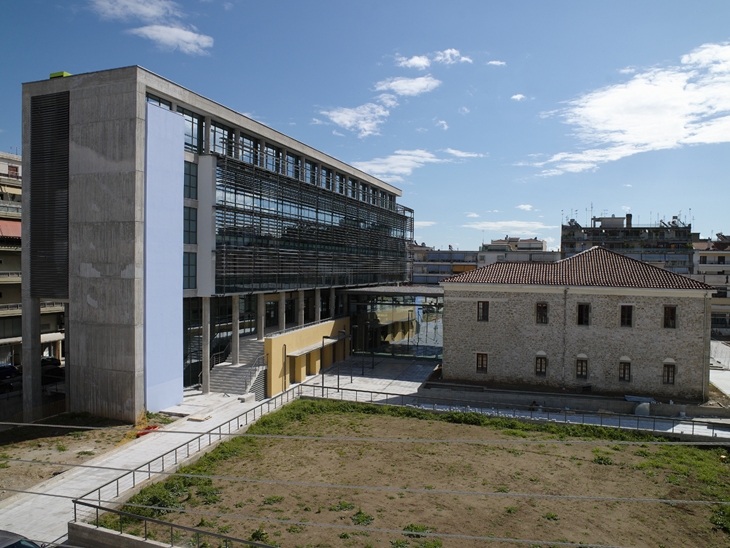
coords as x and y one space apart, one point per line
10 277
16 309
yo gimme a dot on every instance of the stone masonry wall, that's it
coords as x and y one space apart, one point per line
512 339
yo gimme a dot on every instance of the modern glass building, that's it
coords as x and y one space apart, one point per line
169 222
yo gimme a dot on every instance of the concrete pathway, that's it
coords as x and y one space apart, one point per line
721 379
45 518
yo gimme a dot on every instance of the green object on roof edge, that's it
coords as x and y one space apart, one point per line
61 74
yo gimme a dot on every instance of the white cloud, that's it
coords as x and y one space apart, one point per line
518 97
442 124
365 119
525 207
145 10
408 86
227 6
423 224
163 23
472 214
398 165
627 70
497 63
335 132
462 154
626 208
464 110
656 109
316 122
420 62
388 100
492 211
450 57
517 228
175 38
421 129
628 185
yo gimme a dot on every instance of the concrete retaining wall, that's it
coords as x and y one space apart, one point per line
592 404
85 535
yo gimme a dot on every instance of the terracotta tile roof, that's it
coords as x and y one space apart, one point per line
596 266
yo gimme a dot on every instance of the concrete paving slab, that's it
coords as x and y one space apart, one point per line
44 516
721 379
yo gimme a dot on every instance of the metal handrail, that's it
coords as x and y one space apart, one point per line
173 526
524 412
306 325
173 457
659 425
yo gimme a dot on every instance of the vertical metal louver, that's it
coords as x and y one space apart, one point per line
49 149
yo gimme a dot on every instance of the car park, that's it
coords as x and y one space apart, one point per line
8 371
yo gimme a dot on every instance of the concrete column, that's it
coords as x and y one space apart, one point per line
261 316
206 136
235 315
32 390
300 308
282 311
332 302
67 363
206 345
57 350
317 305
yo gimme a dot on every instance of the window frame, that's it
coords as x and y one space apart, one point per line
583 314
624 371
482 311
541 365
190 225
190 270
482 362
581 368
541 316
194 123
669 373
623 317
669 316
190 180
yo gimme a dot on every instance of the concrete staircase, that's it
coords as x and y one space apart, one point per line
237 379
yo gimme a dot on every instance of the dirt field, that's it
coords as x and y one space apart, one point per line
57 445
366 489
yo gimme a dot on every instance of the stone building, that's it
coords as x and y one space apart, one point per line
598 321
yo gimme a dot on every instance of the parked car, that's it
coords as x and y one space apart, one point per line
8 371
12 540
49 360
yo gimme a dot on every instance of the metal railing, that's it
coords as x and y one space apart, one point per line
305 325
112 490
170 460
196 537
654 424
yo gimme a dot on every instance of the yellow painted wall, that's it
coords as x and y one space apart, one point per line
279 374
397 318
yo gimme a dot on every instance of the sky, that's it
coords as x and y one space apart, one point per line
493 118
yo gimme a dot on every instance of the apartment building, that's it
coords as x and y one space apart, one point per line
712 266
52 321
515 250
665 244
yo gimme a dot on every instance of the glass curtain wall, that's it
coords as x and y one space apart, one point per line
397 326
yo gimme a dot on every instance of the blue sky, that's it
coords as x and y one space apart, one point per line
494 118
